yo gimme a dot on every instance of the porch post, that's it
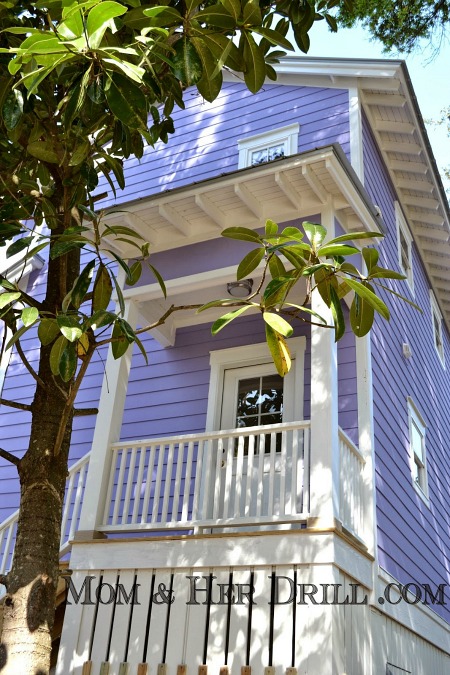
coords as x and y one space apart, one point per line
107 431
324 480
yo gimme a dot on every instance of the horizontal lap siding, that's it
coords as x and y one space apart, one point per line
205 141
15 424
170 395
413 540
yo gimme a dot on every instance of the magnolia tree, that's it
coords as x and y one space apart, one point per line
83 86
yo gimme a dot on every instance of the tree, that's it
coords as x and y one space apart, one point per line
399 25
83 86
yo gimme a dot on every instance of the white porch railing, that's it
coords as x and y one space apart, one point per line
257 475
351 501
72 506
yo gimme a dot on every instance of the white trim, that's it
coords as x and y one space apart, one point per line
414 417
356 140
436 314
288 136
235 357
402 228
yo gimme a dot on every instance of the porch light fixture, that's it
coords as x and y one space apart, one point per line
240 289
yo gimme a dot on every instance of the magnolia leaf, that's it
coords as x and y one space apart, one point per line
69 327
7 298
349 268
279 324
99 319
233 7
369 296
218 303
210 83
81 285
55 354
307 310
227 318
68 362
370 256
29 316
44 151
159 279
361 316
255 67
398 295
250 263
330 250
354 236
187 66
102 289
12 109
276 290
18 246
271 228
127 102
276 267
316 233
142 348
292 233
279 350
99 20
338 315
119 344
48 330
82 346
380 273
242 233
217 16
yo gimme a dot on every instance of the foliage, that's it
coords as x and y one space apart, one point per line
399 25
323 265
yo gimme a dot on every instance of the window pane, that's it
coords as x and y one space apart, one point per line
276 152
260 156
416 443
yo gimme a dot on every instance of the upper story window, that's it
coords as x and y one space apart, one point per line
436 318
404 242
417 450
268 146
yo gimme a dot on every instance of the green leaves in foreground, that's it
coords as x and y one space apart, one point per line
302 261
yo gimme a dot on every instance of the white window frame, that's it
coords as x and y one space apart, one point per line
288 136
416 419
248 355
403 230
438 334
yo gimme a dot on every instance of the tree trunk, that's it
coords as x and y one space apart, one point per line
30 602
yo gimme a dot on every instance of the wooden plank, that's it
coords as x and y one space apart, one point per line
121 622
224 670
87 668
142 669
239 620
124 668
218 620
176 637
259 651
291 671
282 637
158 623
104 668
182 669
269 670
195 618
246 670
104 616
139 622
203 670
162 669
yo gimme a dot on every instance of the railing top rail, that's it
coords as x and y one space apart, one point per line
354 449
213 435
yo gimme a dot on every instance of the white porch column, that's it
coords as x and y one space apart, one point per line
324 482
107 431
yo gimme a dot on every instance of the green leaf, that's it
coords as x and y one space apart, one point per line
307 311
316 233
187 66
69 327
276 267
217 16
366 294
338 315
99 319
271 228
18 246
44 151
227 318
279 350
135 273
126 101
48 330
218 303
252 13
102 289
242 233
99 20
12 109
354 236
8 298
370 256
250 263
82 283
119 344
142 348
120 298
279 324
210 83
276 290
16 337
274 37
159 279
233 7
29 316
402 297
330 250
292 233
349 269
68 362
381 273
361 316
255 67
59 248
56 353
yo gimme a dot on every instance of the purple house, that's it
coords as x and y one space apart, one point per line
218 518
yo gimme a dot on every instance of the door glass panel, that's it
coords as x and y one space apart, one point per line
260 402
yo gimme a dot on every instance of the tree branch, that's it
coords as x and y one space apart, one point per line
82 412
4 581
9 458
14 404
28 366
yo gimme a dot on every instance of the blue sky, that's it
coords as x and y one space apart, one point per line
430 76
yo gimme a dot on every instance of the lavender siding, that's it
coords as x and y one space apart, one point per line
413 539
205 142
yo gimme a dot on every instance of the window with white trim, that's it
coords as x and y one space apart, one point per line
404 243
436 318
268 146
417 450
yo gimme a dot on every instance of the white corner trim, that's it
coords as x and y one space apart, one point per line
436 312
402 227
356 139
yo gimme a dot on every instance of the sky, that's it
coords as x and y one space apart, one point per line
430 76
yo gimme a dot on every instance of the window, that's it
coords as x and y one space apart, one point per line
268 146
404 240
417 450
436 317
